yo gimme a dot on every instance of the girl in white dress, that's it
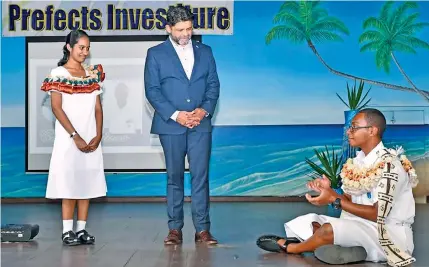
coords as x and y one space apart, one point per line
76 172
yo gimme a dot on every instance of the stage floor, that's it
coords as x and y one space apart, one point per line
131 234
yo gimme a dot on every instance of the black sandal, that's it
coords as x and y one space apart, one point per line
69 238
269 243
85 238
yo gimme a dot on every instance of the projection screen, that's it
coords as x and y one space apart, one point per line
127 143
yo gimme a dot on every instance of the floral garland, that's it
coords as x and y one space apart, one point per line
360 180
72 85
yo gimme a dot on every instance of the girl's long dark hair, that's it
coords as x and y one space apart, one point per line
71 39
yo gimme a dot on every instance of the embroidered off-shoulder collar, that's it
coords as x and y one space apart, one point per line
75 85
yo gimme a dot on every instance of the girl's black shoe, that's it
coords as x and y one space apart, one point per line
85 238
69 239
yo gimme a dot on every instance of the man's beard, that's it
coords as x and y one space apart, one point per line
181 41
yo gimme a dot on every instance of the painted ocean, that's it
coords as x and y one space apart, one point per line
246 161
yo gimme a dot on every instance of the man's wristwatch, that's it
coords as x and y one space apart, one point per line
337 204
207 114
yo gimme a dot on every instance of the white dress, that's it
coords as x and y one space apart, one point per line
72 173
350 230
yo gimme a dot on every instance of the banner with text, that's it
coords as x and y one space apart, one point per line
56 18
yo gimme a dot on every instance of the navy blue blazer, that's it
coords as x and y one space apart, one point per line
168 88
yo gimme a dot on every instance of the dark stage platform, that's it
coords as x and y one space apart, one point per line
131 234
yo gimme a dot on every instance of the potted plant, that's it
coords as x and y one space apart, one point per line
355 98
331 164
356 101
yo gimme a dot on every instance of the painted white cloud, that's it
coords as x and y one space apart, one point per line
255 113
267 97
270 98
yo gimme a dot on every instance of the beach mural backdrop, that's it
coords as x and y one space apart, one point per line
280 74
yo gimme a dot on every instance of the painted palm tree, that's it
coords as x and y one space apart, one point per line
393 31
307 21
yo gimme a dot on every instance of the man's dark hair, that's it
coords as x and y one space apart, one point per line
375 118
177 14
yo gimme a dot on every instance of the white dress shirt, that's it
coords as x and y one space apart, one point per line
186 56
403 210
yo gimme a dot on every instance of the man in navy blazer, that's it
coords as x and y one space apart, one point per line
182 85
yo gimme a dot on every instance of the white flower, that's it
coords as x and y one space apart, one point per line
393 152
399 150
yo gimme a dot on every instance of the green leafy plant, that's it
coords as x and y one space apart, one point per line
395 30
355 99
331 165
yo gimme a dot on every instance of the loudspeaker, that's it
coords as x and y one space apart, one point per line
18 232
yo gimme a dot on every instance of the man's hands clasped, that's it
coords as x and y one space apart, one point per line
191 119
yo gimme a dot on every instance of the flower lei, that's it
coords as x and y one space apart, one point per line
359 180
71 85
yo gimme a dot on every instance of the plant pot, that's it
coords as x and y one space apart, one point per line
332 212
348 151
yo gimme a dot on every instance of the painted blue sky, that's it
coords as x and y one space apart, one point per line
280 83
284 77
